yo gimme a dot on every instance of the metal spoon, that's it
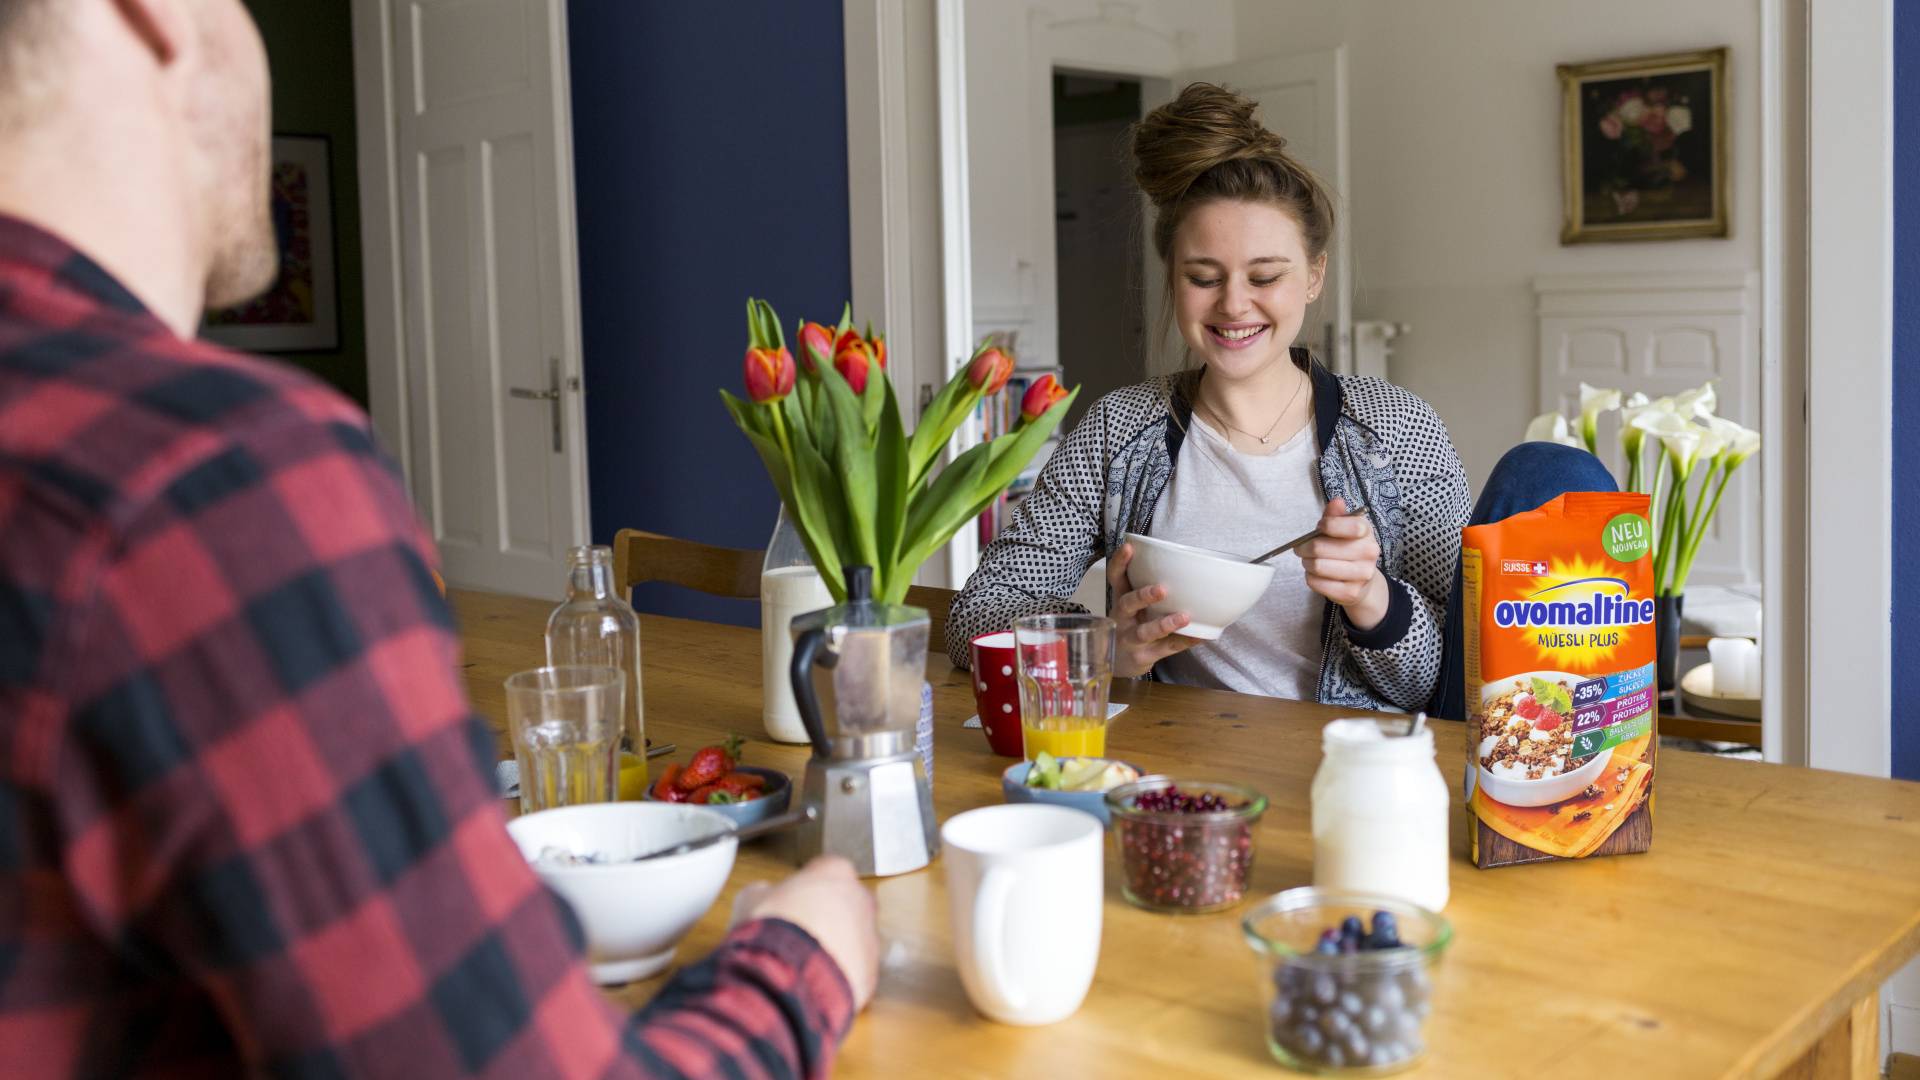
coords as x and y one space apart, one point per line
743 834
1298 540
1286 547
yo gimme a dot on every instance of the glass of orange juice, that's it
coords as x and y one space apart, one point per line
1066 667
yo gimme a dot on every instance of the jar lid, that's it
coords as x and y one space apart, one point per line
1370 736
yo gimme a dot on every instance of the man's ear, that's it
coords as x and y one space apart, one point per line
159 24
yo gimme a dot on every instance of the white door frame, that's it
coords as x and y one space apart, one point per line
1849 370
376 104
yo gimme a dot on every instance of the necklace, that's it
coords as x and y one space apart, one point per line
1266 439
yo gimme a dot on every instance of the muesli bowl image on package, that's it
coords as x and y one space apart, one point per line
1524 753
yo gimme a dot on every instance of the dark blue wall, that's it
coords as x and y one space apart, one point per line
710 156
1906 383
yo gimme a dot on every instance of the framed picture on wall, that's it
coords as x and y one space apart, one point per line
1645 147
300 312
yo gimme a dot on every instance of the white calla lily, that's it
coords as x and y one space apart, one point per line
1679 438
1551 427
1699 401
1594 400
1631 437
1738 441
1712 442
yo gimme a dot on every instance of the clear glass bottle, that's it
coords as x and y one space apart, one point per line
789 586
595 625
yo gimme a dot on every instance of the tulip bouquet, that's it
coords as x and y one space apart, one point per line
861 490
1692 445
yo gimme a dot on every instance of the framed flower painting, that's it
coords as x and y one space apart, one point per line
1645 147
301 311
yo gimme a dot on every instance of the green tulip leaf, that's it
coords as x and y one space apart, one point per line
890 479
853 455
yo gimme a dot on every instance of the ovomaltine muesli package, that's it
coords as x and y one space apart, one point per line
1559 612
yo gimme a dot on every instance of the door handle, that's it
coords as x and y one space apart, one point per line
551 395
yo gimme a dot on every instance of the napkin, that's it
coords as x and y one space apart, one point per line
1551 829
1114 708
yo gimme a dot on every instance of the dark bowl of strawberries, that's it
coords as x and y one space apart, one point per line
715 779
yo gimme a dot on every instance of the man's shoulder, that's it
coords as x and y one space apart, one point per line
101 425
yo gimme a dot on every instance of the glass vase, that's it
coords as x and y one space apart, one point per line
789 586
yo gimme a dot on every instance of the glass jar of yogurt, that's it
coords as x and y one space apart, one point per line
1380 813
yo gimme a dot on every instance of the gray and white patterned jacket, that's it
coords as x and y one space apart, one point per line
1107 476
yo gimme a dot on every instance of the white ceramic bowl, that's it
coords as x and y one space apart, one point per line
1213 588
1547 789
634 913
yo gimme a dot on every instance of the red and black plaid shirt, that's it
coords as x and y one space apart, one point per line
247 818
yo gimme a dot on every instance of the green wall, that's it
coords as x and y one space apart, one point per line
310 47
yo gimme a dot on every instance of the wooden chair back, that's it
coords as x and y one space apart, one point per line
640 557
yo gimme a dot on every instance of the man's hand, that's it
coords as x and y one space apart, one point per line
826 900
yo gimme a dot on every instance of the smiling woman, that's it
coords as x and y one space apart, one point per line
1253 441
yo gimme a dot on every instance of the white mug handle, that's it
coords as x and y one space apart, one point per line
990 937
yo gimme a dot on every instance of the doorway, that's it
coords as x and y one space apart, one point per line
1102 324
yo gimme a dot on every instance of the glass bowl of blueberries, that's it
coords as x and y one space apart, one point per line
1346 979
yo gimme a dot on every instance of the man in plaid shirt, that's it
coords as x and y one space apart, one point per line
247 820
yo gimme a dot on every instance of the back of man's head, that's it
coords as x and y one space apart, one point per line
158 108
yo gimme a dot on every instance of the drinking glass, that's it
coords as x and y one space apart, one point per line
566 725
1066 667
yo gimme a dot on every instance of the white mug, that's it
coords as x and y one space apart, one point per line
1025 882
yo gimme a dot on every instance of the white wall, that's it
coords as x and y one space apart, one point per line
1455 177
1010 131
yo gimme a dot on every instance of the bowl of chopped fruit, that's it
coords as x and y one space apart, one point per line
1079 782
1525 753
1346 980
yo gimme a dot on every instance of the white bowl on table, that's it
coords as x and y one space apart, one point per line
1548 789
1212 587
634 913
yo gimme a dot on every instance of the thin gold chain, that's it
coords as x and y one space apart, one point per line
1263 440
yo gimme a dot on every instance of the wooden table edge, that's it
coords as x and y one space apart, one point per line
1844 1026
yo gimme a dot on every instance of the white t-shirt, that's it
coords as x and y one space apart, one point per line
1244 504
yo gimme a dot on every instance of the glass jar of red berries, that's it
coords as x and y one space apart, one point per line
1185 846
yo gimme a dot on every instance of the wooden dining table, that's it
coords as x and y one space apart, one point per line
1750 941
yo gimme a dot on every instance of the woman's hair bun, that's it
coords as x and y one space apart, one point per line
1206 126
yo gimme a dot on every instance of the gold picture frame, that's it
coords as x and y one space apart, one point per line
1637 138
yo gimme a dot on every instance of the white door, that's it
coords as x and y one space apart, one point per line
1304 99
482 168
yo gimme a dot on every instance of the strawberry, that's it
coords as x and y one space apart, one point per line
709 764
741 786
664 788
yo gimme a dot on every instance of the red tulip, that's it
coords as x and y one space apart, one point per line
990 370
875 344
769 374
816 345
853 361
1044 394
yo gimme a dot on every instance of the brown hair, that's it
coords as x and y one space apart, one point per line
1206 145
